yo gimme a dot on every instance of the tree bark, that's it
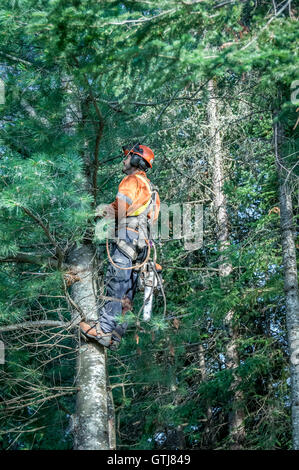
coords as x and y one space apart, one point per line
236 415
290 277
90 427
208 436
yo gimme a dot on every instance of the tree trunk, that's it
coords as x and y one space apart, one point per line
236 415
92 424
290 278
208 435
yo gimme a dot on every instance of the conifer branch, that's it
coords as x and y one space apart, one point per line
31 111
59 252
96 160
40 400
40 323
267 24
190 4
99 129
223 4
16 59
40 260
140 20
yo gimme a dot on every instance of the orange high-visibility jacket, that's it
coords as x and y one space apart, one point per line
133 196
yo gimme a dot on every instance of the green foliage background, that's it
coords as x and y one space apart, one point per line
82 78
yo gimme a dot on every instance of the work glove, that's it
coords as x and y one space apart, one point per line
100 212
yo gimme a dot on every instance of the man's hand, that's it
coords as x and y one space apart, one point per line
105 211
100 212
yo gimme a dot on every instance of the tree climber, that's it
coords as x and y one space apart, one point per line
134 210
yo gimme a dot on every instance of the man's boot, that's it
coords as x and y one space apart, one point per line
93 331
117 335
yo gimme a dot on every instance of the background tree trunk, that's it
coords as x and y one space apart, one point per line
290 278
208 436
236 415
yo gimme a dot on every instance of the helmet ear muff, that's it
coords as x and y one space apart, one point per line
138 162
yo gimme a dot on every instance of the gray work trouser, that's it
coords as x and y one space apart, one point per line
120 283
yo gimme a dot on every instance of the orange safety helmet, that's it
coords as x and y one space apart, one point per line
143 151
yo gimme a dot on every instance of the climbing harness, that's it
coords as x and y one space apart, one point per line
138 266
137 221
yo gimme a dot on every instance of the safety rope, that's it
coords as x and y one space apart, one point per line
113 299
138 266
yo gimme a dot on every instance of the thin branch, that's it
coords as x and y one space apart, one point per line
167 104
187 176
99 129
140 20
190 268
31 259
40 323
16 59
96 160
72 303
267 24
41 400
31 111
47 232
223 4
190 4
9 431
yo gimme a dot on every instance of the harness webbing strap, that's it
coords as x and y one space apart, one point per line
145 181
146 204
141 208
127 248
